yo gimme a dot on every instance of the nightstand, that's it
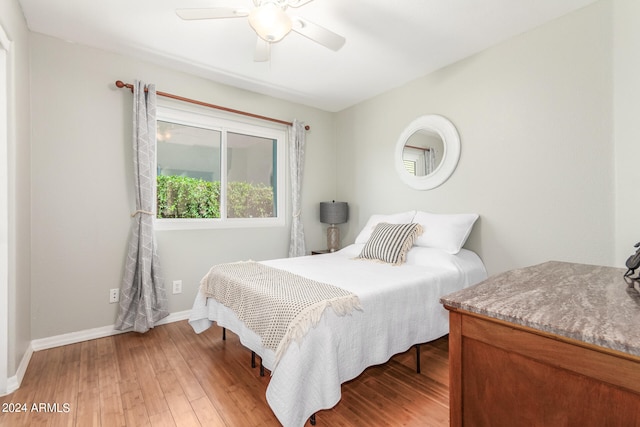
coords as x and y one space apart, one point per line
320 252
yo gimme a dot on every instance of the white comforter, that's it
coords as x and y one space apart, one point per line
400 308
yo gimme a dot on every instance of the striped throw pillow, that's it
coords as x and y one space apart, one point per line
390 242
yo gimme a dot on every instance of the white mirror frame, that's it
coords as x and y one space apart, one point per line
450 157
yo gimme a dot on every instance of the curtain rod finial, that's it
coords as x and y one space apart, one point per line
121 84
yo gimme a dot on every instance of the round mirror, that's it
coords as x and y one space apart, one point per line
427 152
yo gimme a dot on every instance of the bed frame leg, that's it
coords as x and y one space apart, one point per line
418 358
253 363
224 334
312 419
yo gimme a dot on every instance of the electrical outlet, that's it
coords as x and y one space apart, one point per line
114 295
177 286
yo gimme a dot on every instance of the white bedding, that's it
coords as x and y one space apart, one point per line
400 308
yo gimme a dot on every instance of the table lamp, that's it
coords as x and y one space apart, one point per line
333 213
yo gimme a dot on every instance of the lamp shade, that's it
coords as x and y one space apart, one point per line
334 212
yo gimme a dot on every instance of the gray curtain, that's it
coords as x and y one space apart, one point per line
429 161
143 300
297 139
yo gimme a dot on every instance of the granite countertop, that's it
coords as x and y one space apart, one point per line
593 304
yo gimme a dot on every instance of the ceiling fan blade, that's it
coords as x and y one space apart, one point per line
297 3
211 13
317 33
263 51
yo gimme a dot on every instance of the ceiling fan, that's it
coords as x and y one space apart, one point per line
271 22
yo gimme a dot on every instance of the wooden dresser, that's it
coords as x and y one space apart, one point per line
557 344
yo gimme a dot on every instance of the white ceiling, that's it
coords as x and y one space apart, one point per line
388 42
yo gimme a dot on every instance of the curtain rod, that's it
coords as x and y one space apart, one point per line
418 148
121 85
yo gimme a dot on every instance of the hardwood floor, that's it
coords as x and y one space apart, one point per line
172 377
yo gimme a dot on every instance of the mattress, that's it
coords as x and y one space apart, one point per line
400 308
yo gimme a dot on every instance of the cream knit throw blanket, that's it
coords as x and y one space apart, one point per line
277 305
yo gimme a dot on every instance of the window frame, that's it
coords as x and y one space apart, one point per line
223 122
415 156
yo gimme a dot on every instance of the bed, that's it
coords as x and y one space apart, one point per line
398 307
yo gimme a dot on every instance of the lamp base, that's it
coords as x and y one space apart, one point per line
333 238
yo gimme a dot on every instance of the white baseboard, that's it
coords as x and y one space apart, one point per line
13 383
91 334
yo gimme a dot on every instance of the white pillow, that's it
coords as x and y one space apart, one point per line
398 218
448 232
432 258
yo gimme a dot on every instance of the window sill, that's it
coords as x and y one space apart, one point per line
204 224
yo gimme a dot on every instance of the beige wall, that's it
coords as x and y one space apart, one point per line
535 120
19 293
626 107
83 179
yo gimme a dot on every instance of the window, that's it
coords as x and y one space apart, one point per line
413 160
410 166
216 172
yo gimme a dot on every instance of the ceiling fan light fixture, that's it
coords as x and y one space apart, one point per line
270 22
